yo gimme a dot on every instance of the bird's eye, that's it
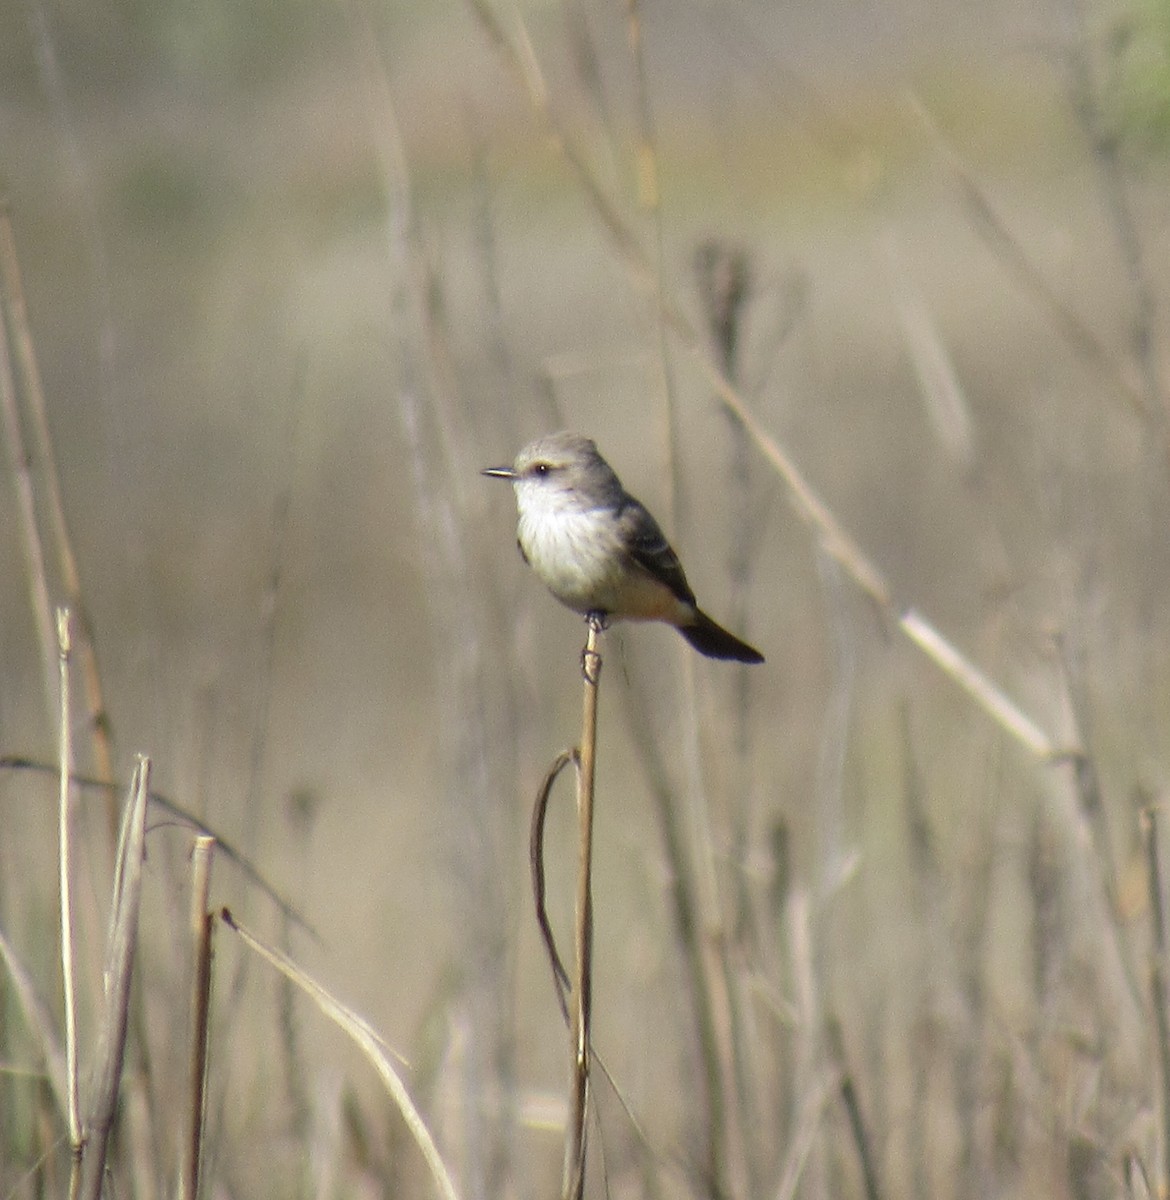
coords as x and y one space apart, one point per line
541 468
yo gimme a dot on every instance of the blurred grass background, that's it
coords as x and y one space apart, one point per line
296 271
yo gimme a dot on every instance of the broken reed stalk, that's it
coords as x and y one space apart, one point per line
64 860
201 925
579 1026
120 950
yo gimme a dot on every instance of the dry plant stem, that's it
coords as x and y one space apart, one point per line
29 381
370 1043
536 863
201 924
65 823
119 969
1158 985
30 539
539 891
579 1026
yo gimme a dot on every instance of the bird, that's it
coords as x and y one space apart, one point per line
598 549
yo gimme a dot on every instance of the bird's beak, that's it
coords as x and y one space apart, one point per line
499 472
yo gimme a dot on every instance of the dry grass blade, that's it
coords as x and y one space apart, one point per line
119 969
976 684
367 1039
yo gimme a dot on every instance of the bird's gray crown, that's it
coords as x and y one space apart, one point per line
569 465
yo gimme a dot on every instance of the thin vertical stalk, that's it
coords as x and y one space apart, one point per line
201 922
574 1173
65 821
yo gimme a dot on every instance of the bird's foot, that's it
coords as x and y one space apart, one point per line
598 622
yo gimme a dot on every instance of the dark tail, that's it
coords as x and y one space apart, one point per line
715 642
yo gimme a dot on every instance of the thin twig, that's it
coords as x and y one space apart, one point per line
201 926
574 1172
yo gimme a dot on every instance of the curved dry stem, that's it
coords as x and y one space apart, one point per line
539 891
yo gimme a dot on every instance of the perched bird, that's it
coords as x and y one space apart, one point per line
598 550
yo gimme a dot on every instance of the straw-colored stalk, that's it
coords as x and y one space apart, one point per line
579 1026
201 925
64 860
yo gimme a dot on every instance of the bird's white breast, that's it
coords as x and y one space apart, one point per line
575 553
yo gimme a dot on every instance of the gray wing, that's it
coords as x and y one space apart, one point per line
646 544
